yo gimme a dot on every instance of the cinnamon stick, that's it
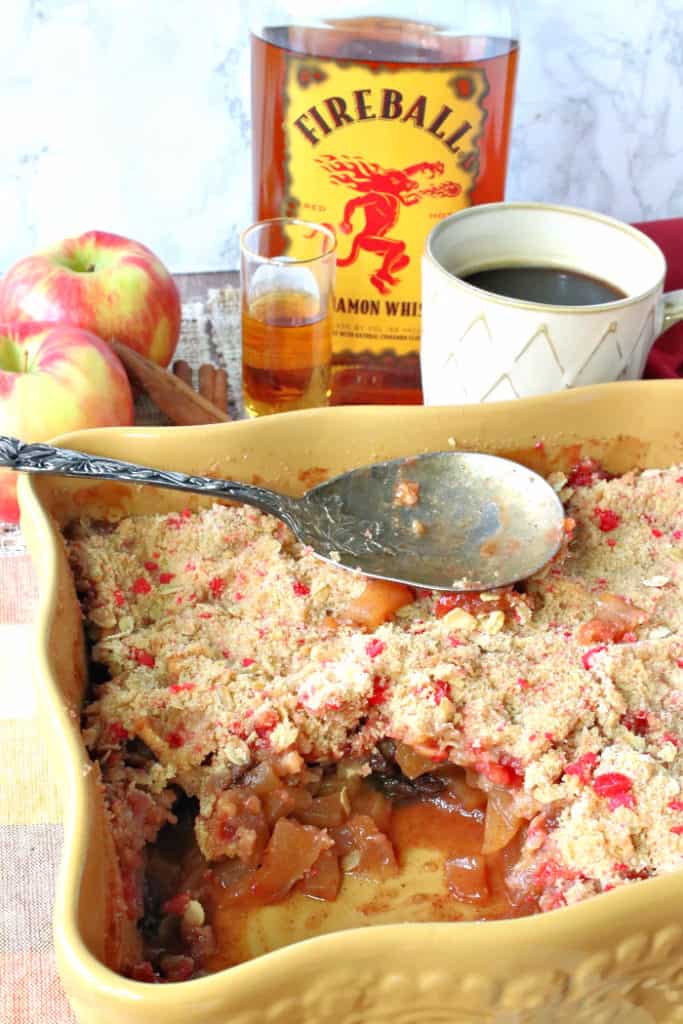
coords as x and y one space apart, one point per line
206 381
183 370
170 393
220 390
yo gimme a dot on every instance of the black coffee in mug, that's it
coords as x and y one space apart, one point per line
551 285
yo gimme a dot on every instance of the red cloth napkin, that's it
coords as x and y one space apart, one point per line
666 357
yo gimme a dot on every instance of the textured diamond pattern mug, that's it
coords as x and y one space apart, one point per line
478 346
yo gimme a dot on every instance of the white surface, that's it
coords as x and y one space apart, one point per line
132 116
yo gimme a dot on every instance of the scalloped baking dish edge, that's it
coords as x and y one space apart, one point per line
617 955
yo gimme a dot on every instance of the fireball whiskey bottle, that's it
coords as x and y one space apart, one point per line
378 125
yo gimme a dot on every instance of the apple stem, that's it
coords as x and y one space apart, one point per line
90 268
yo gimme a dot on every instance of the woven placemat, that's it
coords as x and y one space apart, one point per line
210 333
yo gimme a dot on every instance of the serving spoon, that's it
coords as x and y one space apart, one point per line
449 520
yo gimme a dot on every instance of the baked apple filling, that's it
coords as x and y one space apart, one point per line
287 748
271 837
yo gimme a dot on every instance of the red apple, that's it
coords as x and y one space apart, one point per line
103 283
54 378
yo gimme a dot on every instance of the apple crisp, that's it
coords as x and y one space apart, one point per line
277 712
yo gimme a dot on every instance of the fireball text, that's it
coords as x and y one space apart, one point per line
335 112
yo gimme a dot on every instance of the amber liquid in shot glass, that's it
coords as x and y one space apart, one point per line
288 268
286 352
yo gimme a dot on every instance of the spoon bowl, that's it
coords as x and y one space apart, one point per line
444 520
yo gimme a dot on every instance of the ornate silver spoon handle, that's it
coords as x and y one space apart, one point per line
43 458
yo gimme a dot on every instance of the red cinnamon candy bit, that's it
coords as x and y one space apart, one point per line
677 830
166 577
300 589
246 662
266 723
141 586
117 732
655 532
174 522
583 767
151 566
380 685
119 599
588 658
586 472
143 657
177 904
670 737
607 519
441 690
523 683
549 873
217 586
616 788
374 647
677 534
237 728
675 805
637 722
175 739
181 687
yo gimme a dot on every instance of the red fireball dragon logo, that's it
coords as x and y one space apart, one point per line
382 193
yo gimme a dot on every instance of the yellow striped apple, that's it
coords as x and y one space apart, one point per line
55 378
106 284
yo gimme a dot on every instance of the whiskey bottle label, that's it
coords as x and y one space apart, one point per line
380 155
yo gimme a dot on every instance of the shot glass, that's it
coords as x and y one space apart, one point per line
288 269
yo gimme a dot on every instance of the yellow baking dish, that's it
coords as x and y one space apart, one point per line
617 957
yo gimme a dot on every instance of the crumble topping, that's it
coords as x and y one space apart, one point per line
228 645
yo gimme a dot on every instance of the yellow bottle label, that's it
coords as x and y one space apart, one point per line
380 156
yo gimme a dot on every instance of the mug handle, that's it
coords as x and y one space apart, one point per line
673 309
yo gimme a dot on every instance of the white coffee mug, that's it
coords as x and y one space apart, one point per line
481 347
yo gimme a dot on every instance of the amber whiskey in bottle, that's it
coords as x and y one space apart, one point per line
379 126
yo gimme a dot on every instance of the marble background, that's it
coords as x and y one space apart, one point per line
132 116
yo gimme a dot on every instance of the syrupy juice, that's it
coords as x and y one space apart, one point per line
441 877
286 349
378 128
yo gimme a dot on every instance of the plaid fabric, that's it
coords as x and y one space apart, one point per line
30 811
30 830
